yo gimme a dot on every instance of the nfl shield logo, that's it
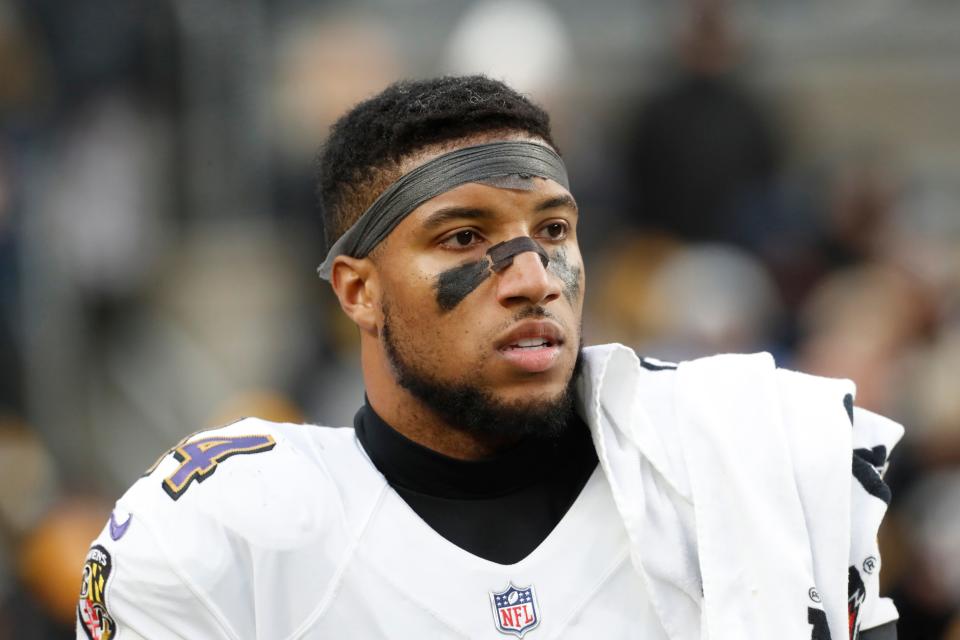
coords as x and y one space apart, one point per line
515 610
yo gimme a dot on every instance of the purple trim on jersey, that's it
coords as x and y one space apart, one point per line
117 530
199 458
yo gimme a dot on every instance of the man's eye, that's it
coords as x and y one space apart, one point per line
462 239
555 230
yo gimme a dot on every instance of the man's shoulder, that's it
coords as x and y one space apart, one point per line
247 453
207 529
242 479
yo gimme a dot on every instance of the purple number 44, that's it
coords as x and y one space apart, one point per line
199 458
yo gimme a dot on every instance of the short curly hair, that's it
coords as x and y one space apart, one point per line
363 153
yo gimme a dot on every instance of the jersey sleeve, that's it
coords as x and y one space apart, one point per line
131 591
236 532
873 438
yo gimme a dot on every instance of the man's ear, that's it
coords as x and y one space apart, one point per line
356 283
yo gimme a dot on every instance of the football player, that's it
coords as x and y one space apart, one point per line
501 479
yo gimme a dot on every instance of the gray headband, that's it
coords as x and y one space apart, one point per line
481 163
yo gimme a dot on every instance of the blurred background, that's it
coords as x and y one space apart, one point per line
765 174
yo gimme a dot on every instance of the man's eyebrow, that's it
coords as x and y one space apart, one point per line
441 216
556 202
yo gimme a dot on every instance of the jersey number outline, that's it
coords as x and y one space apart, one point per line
199 458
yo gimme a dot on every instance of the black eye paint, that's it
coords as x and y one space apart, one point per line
568 274
501 254
453 285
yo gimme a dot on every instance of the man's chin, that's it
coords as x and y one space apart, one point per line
536 406
476 411
533 409
529 397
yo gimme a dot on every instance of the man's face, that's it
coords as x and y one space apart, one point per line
479 346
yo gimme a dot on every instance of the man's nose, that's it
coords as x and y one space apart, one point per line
527 281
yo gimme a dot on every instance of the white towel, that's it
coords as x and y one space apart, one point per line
743 514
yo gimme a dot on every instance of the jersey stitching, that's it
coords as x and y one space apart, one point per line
198 594
575 610
333 589
403 593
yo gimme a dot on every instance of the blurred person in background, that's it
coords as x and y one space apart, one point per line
703 150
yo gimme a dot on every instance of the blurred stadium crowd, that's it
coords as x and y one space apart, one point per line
769 175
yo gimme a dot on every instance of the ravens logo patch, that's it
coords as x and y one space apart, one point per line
92 611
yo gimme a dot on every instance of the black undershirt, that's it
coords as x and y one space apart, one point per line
499 508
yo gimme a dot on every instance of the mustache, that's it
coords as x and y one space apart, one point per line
537 312
534 311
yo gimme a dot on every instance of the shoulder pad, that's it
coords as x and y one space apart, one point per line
255 506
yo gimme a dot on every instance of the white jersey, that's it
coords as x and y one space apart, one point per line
301 537
263 530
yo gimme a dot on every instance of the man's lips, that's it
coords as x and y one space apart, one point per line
533 345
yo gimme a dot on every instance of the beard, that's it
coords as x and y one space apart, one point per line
474 409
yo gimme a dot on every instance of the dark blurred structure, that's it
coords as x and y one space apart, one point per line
752 175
